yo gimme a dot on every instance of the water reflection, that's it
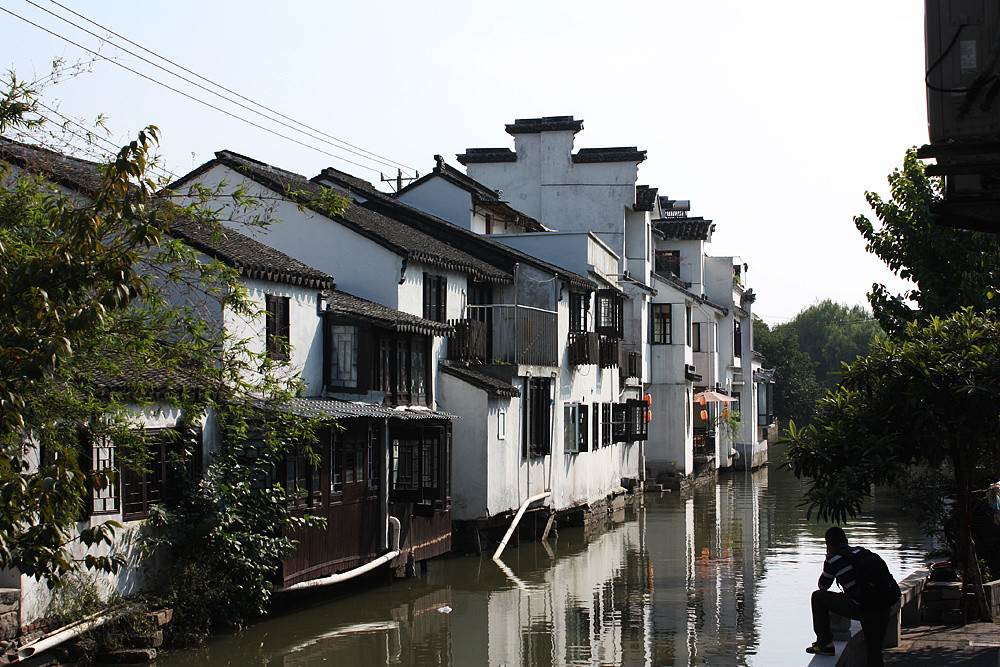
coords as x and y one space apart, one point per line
721 577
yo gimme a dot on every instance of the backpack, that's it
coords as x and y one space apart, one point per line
874 586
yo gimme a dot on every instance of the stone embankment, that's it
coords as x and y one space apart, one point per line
926 628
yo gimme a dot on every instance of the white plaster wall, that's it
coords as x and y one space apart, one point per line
562 195
442 199
140 572
470 446
305 329
359 265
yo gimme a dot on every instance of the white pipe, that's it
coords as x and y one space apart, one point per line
351 574
517 519
69 632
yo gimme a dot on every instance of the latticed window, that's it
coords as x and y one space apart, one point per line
660 321
610 316
277 326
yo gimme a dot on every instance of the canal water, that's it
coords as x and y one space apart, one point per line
722 577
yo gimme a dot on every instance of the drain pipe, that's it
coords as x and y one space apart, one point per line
70 631
517 519
358 571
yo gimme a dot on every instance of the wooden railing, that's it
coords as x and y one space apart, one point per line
511 335
583 348
470 342
612 352
630 363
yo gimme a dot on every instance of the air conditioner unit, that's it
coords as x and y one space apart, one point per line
962 57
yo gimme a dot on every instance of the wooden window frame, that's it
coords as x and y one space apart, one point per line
536 431
609 313
435 297
661 328
277 325
579 308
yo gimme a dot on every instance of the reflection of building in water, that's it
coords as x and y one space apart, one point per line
416 634
584 603
703 597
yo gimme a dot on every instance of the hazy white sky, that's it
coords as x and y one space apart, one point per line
772 117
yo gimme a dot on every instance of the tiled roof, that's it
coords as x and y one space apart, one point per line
481 194
486 249
477 378
401 239
81 175
645 198
681 286
685 229
253 259
544 124
348 305
486 155
332 408
148 377
616 154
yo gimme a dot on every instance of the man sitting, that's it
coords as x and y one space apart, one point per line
869 593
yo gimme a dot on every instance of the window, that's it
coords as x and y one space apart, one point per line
606 425
401 369
576 435
276 334
595 411
537 417
667 262
301 479
579 305
688 320
157 481
501 424
435 292
103 482
419 466
342 356
737 339
661 324
609 318
696 337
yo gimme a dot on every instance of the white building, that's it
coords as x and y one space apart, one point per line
538 412
683 330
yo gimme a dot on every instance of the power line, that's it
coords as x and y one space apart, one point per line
363 154
191 97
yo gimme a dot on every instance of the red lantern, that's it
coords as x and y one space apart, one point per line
702 400
704 415
725 413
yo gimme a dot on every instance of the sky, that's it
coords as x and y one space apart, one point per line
773 117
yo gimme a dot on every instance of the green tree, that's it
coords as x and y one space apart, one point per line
833 334
950 269
795 387
925 397
89 285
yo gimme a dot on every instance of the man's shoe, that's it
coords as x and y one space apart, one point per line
822 649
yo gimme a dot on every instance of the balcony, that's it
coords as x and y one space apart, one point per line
612 352
583 348
469 342
506 334
630 363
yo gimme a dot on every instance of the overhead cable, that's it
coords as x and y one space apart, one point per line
190 97
363 153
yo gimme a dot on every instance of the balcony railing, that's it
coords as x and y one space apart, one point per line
511 335
470 342
630 363
612 352
583 348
